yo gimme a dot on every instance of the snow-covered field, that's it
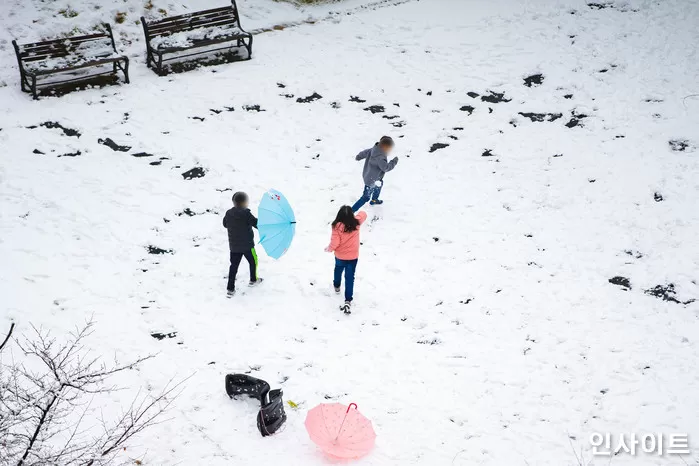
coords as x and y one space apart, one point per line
485 329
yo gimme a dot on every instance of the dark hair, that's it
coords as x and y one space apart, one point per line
346 217
239 198
386 141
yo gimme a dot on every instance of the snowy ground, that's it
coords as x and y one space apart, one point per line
485 331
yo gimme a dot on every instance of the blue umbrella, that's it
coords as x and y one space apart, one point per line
276 223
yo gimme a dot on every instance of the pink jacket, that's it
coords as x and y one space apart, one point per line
346 245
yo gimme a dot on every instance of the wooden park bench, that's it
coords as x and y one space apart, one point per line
67 60
197 32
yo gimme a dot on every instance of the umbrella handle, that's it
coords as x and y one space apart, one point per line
343 421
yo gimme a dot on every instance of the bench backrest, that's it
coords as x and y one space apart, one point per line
91 45
225 17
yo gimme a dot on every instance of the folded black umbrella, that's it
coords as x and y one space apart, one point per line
241 384
271 415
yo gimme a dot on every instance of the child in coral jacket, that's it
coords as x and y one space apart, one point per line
345 244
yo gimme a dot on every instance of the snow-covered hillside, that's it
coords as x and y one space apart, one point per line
29 21
486 330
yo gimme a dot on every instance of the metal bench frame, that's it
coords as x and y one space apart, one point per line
28 78
196 20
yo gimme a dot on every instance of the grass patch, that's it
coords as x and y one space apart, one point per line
120 17
68 13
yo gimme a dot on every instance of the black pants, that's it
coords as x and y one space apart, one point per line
236 257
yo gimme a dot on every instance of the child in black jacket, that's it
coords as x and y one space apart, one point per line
239 222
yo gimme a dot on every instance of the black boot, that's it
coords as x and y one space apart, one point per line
241 384
271 416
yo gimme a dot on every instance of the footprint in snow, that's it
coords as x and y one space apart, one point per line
429 341
538 117
159 251
437 146
632 253
310 98
190 213
113 145
534 80
196 172
666 293
253 108
621 281
71 154
375 109
576 119
679 145
495 97
56 125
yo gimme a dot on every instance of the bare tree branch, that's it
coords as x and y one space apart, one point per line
44 406
7 338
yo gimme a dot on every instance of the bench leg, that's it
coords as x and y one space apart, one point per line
34 91
149 58
159 65
249 47
125 69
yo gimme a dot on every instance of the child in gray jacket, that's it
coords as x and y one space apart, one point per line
376 165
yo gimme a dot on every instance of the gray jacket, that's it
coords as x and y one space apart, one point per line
376 164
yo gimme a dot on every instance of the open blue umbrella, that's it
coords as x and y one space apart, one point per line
276 223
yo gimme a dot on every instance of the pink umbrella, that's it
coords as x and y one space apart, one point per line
341 432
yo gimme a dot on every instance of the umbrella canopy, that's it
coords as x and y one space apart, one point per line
276 223
340 431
